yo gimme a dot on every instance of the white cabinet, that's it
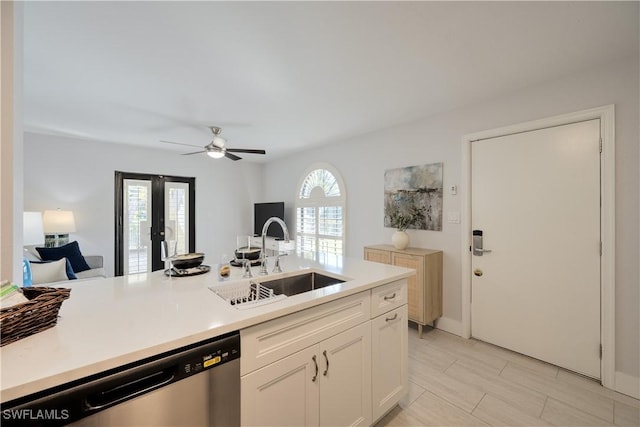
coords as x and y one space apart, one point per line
285 393
343 363
387 297
389 355
345 380
271 341
326 384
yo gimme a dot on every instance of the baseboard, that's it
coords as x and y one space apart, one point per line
449 325
627 384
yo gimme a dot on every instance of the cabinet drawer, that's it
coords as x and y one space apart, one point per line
388 297
270 341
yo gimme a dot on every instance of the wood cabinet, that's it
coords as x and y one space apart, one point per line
424 288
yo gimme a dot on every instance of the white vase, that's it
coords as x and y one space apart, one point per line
400 239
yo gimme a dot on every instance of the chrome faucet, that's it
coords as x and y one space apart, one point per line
265 227
276 267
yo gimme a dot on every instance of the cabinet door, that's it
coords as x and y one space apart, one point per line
389 360
415 284
345 378
375 255
284 393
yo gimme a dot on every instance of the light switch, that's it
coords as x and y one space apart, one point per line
454 217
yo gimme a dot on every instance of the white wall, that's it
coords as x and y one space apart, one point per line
79 175
363 160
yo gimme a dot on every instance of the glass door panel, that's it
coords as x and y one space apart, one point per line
137 226
176 215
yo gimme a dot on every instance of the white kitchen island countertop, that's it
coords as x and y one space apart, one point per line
107 323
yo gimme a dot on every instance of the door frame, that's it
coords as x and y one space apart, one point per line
606 114
157 206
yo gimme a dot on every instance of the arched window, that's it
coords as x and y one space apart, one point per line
320 214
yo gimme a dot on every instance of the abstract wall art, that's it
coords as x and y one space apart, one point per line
414 192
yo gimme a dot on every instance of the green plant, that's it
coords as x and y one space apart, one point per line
403 220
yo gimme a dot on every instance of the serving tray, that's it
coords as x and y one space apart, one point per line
177 272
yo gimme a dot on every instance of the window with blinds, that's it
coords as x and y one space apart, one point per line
320 218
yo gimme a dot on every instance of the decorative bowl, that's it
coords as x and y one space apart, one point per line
249 253
185 261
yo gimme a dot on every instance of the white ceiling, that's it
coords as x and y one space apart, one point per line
287 75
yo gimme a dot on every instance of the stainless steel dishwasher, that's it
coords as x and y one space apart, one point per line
197 385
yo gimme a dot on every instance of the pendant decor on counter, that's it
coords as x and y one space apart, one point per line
400 239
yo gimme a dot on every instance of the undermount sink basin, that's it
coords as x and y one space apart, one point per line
249 293
300 283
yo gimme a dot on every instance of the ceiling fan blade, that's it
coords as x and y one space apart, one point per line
242 150
195 152
231 156
180 143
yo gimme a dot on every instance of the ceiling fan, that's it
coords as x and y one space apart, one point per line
217 147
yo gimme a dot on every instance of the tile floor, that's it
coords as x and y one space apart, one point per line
458 382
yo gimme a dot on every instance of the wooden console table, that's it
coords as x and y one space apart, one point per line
424 289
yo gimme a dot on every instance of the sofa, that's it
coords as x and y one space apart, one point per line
57 272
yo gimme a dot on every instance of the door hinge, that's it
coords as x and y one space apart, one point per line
600 248
600 351
600 144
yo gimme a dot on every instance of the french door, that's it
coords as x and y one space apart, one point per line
149 210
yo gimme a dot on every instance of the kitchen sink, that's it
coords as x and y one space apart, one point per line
252 293
300 283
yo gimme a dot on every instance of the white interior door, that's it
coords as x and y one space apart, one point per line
536 199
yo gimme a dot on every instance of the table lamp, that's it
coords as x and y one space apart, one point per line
57 226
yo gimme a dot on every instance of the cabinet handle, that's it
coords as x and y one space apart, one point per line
389 319
327 359
387 298
315 363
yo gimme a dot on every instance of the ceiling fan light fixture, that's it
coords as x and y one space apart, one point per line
217 148
215 154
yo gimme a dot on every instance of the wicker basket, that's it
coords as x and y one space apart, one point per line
33 316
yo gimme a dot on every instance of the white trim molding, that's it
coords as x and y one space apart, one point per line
450 325
628 384
606 114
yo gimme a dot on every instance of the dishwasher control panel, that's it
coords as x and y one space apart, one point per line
210 356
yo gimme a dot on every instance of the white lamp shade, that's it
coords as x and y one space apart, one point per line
32 231
59 222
